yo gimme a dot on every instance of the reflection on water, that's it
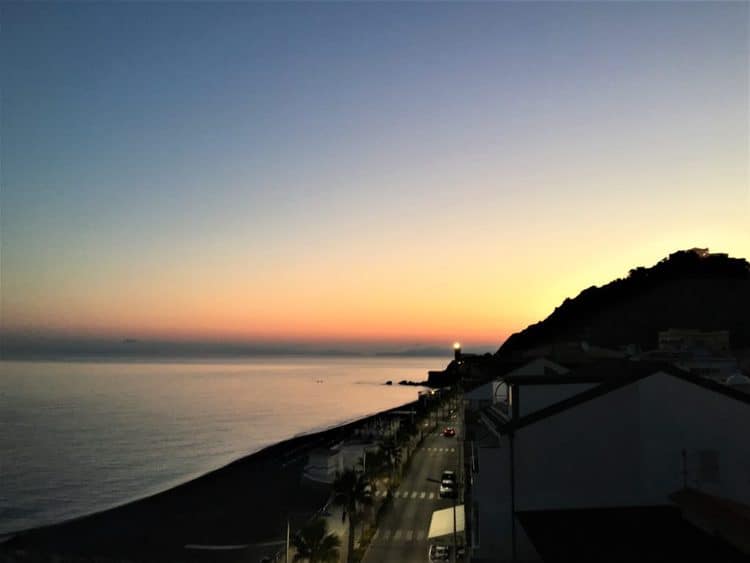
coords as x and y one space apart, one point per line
78 437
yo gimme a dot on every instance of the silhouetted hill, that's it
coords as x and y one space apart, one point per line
689 289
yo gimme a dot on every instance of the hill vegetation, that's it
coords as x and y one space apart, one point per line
689 289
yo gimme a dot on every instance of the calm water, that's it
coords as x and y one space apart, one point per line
76 437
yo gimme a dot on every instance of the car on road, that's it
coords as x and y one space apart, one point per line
448 484
448 476
439 552
449 432
448 490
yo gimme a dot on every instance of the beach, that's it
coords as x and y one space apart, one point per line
245 503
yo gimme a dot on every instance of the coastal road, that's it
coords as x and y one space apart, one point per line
402 534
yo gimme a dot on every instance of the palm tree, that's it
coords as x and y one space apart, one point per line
353 492
392 453
314 544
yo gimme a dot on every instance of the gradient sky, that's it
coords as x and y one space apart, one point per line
358 173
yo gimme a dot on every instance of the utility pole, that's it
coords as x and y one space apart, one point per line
455 542
286 552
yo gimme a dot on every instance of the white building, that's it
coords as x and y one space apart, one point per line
496 392
613 441
323 464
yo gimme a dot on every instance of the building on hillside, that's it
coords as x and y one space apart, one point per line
704 353
583 465
572 353
684 340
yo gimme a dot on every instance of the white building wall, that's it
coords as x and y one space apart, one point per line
585 456
492 499
490 492
681 415
536 397
620 449
625 448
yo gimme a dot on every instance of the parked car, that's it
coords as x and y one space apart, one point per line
449 432
439 552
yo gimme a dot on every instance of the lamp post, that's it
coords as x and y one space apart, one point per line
455 535
458 402
286 551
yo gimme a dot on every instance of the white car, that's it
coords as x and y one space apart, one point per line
439 552
448 490
448 477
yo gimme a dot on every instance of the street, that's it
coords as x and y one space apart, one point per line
402 534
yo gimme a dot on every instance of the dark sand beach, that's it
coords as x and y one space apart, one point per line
245 502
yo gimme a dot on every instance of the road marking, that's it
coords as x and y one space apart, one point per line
397 535
422 494
453 449
397 494
414 495
376 534
386 535
409 535
432 496
420 535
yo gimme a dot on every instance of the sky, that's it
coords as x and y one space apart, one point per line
345 173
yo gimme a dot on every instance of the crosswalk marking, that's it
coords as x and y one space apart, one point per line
453 449
414 495
384 536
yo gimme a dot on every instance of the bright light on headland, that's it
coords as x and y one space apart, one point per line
456 345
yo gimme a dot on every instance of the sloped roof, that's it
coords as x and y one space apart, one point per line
611 375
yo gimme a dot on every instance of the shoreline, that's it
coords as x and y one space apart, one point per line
218 507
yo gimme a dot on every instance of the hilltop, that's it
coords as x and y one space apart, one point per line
688 289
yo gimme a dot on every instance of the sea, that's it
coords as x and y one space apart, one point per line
79 437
